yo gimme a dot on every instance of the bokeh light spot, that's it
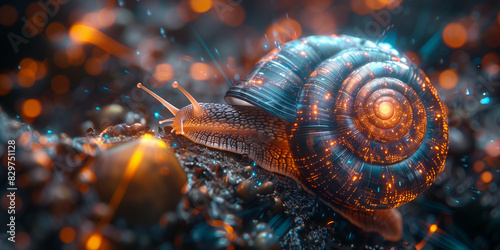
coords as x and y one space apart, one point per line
56 32
94 241
486 177
199 71
26 78
5 84
454 35
60 84
200 6
93 66
448 79
164 72
8 15
233 17
67 235
32 108
23 240
359 6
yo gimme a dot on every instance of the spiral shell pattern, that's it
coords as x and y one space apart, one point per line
370 131
275 81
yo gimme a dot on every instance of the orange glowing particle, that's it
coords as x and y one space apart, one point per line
29 64
359 6
491 63
478 166
94 242
331 143
26 78
448 79
93 66
5 84
23 240
293 28
454 35
375 4
420 170
106 17
493 148
390 186
67 234
43 140
60 59
233 18
413 57
56 32
8 15
354 178
200 6
164 72
42 70
486 177
433 228
32 108
60 84
76 55
199 71
83 33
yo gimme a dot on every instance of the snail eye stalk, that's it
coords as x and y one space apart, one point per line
169 106
197 111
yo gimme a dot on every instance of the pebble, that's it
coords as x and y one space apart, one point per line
266 188
247 171
155 186
120 130
246 190
266 240
277 207
136 128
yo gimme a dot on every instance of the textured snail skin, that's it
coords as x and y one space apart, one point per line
353 122
240 129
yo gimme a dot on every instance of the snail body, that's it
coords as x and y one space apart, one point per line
353 122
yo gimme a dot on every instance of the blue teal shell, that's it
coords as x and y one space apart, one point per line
330 89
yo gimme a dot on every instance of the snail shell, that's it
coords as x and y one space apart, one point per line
369 131
354 122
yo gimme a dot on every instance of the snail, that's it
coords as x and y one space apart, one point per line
354 122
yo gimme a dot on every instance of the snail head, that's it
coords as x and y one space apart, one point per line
188 114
